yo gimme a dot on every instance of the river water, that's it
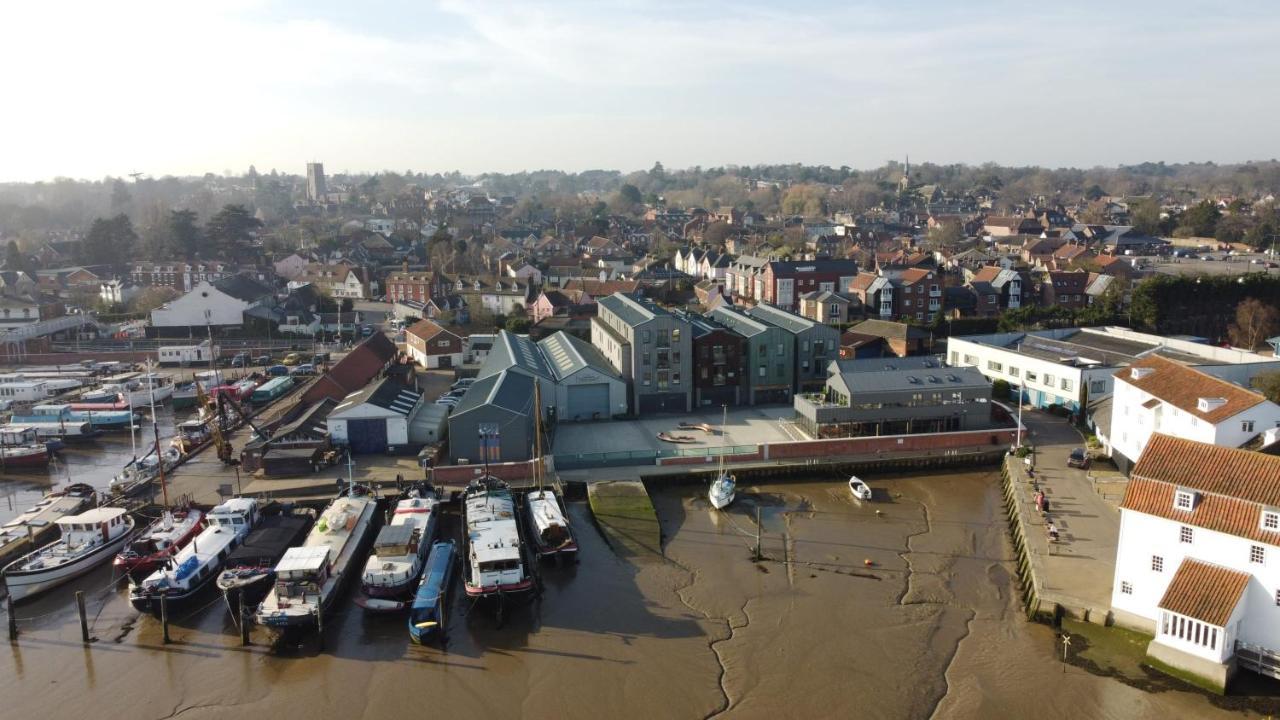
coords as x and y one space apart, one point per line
929 629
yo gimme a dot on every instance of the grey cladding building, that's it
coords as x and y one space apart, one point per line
816 344
649 347
498 408
769 355
896 396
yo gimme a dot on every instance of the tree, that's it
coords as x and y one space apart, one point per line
231 228
716 233
1144 215
15 259
948 232
120 197
109 241
1255 321
1268 384
517 325
184 234
151 298
347 305
1202 218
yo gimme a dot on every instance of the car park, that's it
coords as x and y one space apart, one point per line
303 369
292 358
240 360
278 371
262 360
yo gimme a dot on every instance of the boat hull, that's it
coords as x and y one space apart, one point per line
150 602
483 591
252 588
24 584
32 458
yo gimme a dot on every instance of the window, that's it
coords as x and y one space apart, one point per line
1157 563
1048 380
1246 426
764 369
954 357
1183 499
1097 386
1257 554
970 360
1126 588
1270 520
1032 377
1278 597
1013 371
1066 384
993 365
1185 534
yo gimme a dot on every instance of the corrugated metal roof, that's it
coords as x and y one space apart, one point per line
510 350
567 354
509 390
386 394
778 317
629 309
1204 591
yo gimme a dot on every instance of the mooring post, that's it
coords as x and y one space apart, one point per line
757 533
244 618
320 626
13 619
84 619
164 617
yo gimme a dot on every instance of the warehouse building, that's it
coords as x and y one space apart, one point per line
576 382
376 419
494 421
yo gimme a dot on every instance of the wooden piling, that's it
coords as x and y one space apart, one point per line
320 625
164 617
84 618
13 619
244 617
758 528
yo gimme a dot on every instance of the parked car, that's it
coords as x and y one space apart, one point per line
1078 458
278 371
292 358
303 369
1271 265
240 360
262 360
463 384
367 330
320 358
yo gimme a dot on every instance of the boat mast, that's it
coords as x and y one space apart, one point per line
133 440
724 419
155 428
537 434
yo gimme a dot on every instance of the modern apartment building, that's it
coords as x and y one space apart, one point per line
651 348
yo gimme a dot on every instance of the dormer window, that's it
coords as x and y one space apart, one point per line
1140 372
1270 520
1209 404
1184 499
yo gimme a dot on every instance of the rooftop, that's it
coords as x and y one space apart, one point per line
567 354
386 394
778 317
1204 591
1183 387
630 309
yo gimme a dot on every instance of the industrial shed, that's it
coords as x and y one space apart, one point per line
375 419
576 381
496 414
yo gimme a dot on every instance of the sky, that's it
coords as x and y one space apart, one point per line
96 88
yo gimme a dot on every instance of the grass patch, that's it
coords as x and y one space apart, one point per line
623 511
1184 676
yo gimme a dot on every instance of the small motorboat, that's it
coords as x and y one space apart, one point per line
160 541
680 439
191 434
861 491
426 615
722 491
704 427
88 540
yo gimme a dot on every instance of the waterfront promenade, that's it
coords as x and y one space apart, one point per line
1075 572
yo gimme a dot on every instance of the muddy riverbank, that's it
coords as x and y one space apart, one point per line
929 629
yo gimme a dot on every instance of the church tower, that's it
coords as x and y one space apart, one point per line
905 183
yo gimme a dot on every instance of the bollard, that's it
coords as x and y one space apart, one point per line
244 620
164 617
84 619
13 619
758 533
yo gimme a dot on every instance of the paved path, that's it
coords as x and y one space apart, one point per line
1076 571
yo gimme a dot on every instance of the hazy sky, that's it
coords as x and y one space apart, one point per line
173 87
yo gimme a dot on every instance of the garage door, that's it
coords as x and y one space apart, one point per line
367 436
588 402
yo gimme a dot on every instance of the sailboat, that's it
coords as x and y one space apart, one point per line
139 473
724 487
549 530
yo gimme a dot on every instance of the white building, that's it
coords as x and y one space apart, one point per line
1074 366
185 355
1158 395
205 304
117 291
1198 557
375 419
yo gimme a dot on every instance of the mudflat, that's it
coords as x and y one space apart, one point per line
929 628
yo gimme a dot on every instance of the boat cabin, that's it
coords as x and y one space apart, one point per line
301 573
14 435
396 541
497 565
95 526
193 431
233 514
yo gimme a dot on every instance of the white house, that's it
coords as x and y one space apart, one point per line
525 273
1159 395
291 267
117 291
205 304
1198 557
375 419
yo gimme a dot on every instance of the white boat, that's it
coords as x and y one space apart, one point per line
725 486
399 553
549 528
495 557
88 540
861 492
36 524
309 577
135 390
198 563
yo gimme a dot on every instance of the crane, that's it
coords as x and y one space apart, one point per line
216 417
135 176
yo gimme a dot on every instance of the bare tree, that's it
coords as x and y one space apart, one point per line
1255 321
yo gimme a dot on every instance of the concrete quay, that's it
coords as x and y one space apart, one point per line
1072 576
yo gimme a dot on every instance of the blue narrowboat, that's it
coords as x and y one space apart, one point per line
270 390
427 613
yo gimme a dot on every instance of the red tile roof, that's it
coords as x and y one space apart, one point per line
1233 486
914 275
355 370
427 329
1204 591
1182 387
